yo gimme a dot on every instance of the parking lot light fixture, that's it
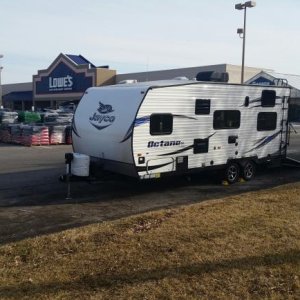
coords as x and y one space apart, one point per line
242 32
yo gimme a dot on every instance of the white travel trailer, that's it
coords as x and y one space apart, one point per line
153 129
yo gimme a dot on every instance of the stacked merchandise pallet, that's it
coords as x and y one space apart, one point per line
8 117
49 128
57 134
44 134
16 133
28 117
28 137
58 122
5 134
56 117
69 135
35 135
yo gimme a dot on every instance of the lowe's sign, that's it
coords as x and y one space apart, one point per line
261 81
61 83
63 79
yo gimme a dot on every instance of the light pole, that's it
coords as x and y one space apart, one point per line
1 55
240 31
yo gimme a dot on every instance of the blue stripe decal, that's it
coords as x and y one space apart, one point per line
145 120
264 141
74 129
136 123
141 121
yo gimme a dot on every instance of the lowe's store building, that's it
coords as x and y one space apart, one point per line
65 80
68 76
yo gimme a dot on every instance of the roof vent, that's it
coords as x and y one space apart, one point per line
127 81
212 76
180 78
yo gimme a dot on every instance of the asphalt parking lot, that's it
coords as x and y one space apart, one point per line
33 200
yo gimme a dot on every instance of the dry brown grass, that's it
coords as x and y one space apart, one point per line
245 246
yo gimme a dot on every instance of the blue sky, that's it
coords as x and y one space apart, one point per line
134 36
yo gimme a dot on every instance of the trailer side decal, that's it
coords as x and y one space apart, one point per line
251 101
257 100
74 129
184 117
150 168
136 123
128 134
141 121
100 127
145 120
264 141
178 151
184 149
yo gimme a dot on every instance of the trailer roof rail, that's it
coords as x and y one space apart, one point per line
280 82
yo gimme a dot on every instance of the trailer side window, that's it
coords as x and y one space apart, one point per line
227 119
266 121
161 124
268 98
202 107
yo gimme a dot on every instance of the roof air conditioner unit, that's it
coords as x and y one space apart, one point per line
213 76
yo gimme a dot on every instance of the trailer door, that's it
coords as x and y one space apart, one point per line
293 148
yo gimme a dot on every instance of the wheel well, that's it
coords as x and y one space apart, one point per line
242 161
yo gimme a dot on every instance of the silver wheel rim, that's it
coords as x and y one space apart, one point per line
232 173
249 170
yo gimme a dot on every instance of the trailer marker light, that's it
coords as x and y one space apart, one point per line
141 160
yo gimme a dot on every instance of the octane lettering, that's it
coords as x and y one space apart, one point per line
153 144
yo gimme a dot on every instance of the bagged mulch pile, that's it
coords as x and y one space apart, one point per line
5 133
35 135
51 127
65 118
28 117
8 117
50 117
58 118
16 133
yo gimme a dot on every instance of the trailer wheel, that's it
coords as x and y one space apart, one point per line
232 172
249 170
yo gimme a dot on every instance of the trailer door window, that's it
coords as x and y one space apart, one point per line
227 119
161 124
266 121
202 107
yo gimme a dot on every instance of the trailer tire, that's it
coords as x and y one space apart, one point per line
232 172
249 170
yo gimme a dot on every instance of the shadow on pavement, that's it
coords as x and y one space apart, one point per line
34 203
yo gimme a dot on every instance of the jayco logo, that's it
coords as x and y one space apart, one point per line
61 83
102 118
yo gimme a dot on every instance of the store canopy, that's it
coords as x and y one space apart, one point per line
18 96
